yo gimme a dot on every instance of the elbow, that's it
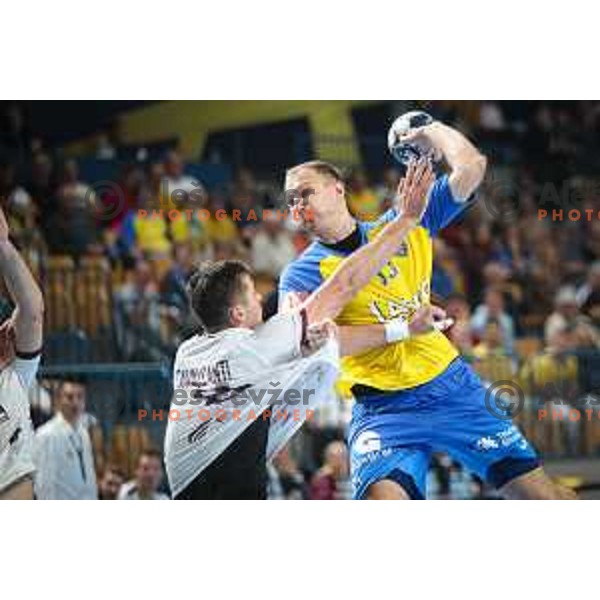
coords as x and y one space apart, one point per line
478 167
469 175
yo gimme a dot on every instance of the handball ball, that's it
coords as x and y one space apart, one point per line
403 152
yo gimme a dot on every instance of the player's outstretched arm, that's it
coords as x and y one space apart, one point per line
356 339
361 266
467 163
24 292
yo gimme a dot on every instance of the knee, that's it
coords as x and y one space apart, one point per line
537 486
551 492
386 490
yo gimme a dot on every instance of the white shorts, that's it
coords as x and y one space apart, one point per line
16 432
16 461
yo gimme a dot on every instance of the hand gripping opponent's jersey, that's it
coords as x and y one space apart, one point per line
396 291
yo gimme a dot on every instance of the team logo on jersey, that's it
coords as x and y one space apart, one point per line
402 250
15 436
367 441
487 443
3 414
198 433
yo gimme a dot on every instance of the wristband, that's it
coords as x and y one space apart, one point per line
443 324
396 331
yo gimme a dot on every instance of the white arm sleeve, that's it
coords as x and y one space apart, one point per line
280 338
45 467
26 369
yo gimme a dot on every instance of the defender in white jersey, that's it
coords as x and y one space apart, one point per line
234 386
20 349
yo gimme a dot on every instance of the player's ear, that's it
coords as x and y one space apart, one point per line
236 315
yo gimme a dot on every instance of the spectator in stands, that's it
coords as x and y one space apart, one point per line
105 150
386 192
566 312
137 310
110 483
73 228
491 117
286 479
148 228
175 179
447 277
174 282
459 334
330 482
63 450
493 309
249 193
148 479
220 226
592 241
17 202
492 342
271 247
362 200
42 184
588 295
14 134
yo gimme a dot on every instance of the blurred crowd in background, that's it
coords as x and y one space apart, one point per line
515 283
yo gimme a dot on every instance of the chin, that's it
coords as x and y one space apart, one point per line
5 360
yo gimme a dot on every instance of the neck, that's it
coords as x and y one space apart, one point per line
72 421
341 230
144 493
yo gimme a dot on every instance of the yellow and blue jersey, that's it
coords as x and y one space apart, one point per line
401 287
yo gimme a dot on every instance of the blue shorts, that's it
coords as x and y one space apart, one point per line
393 435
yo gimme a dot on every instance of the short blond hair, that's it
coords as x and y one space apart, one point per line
319 166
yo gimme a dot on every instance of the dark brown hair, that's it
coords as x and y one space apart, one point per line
211 289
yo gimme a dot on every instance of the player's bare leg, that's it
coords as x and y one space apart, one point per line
22 490
536 485
386 489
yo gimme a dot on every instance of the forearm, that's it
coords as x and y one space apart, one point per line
357 270
27 296
466 162
356 339
19 281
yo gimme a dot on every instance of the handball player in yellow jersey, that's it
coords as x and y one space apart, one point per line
414 394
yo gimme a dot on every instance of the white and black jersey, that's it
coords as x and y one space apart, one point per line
239 395
16 432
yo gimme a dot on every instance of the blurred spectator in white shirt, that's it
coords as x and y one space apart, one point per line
493 309
566 313
148 477
137 310
62 450
491 117
175 179
272 247
105 150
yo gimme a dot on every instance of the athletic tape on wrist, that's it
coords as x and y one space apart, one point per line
396 331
